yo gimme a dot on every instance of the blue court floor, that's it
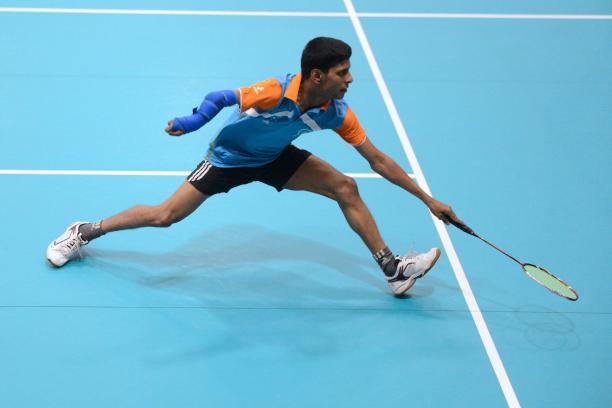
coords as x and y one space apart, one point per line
266 299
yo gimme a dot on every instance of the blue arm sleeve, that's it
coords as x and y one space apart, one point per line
211 105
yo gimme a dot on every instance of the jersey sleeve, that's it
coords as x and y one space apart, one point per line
350 129
262 95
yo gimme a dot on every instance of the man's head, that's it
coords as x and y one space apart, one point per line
325 63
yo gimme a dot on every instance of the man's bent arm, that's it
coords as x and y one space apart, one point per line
208 109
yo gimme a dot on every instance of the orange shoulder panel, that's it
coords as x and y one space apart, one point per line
351 130
262 95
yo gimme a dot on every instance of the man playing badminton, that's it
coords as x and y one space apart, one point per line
255 145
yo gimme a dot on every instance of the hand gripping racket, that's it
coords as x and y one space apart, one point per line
538 274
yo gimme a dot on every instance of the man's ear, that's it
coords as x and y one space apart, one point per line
317 76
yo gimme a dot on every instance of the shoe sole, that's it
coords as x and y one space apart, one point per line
54 265
410 282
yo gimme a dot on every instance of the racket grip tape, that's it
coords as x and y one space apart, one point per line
462 227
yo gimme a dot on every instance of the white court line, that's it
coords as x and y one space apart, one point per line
483 330
92 173
246 13
488 16
134 173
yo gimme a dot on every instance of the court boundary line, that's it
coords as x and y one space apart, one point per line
330 14
145 173
466 290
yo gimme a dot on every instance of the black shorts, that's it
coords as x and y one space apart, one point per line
210 180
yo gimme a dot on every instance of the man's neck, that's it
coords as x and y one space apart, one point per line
308 97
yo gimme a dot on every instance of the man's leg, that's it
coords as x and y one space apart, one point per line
317 176
182 203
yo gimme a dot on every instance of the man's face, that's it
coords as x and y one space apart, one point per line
336 81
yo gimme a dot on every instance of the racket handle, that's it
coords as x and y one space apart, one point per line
462 227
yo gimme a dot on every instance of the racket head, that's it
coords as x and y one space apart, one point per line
550 281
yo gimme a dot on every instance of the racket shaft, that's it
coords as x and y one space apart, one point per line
503 252
470 231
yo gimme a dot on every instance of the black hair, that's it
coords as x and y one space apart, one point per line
323 53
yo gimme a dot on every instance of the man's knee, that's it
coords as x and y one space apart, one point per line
165 217
346 189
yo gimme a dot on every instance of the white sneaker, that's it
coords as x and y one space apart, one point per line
411 268
66 246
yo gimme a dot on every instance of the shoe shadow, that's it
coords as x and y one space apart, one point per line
246 261
257 289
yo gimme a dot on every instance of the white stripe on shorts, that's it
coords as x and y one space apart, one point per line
204 172
199 170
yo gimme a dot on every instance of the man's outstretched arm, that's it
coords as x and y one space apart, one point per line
389 169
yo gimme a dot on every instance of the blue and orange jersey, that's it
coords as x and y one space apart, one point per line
268 119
